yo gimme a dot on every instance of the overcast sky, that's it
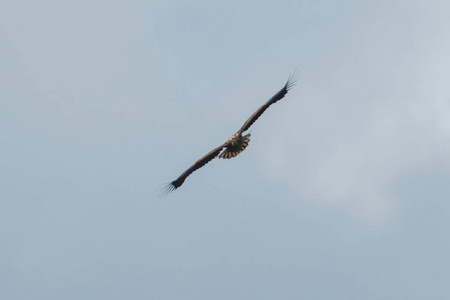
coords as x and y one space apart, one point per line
342 193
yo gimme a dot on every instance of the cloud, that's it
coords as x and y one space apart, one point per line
359 171
380 112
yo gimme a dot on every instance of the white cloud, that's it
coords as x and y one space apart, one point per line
357 173
384 112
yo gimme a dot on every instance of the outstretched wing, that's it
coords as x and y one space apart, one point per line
278 96
197 165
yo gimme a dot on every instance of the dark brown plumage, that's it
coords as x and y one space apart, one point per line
236 143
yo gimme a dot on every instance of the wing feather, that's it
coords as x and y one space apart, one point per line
278 96
197 165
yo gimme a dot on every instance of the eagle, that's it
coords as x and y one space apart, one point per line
236 143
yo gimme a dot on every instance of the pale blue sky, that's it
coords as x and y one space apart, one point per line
342 193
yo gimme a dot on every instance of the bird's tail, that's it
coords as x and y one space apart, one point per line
231 152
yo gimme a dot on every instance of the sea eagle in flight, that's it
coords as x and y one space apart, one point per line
236 143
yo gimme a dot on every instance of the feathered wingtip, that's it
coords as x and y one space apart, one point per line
292 79
165 190
169 187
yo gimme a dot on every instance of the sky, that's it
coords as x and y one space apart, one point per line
342 192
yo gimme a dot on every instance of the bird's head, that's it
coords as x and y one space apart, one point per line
233 140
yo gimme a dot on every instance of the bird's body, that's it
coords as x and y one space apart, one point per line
236 143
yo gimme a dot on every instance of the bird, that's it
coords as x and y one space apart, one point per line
236 143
